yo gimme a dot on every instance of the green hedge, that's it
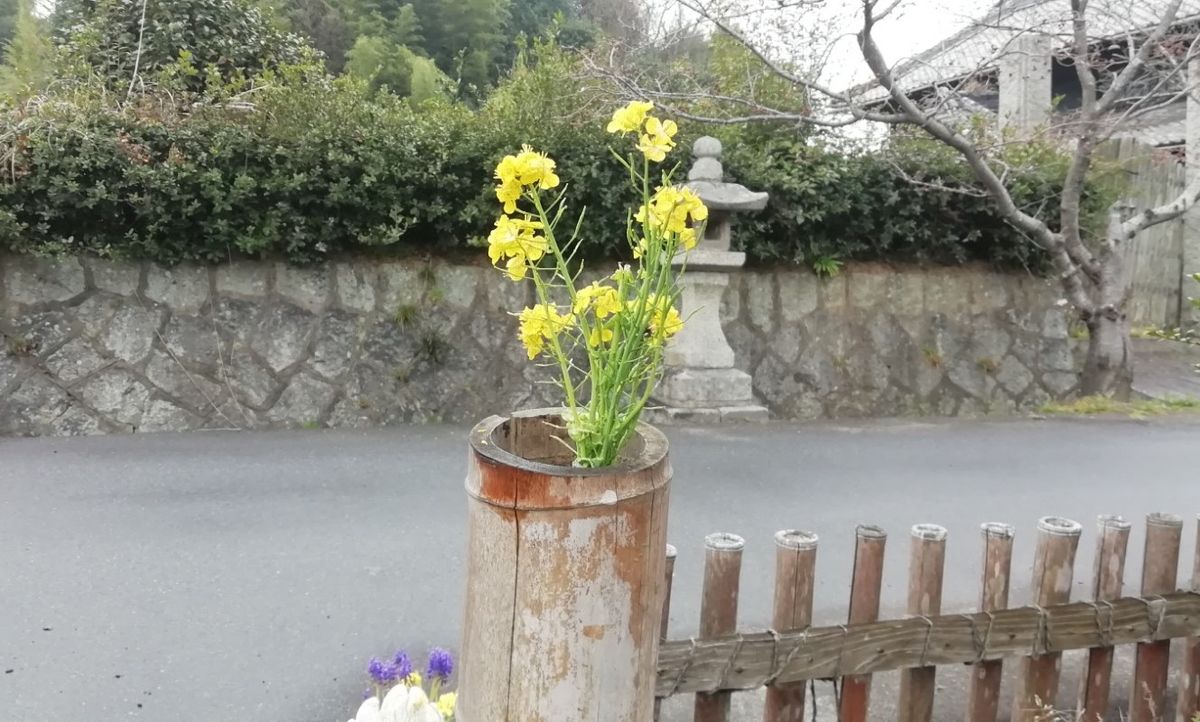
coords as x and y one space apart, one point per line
312 168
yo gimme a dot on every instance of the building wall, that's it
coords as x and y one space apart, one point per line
93 346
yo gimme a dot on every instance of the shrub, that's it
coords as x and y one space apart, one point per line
294 164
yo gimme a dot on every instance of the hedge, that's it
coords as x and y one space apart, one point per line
309 167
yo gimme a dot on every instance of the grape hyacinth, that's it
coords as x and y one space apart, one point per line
404 666
441 664
383 672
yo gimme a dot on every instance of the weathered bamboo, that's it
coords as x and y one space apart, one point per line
1053 569
865 586
983 703
668 579
926 564
1189 687
1160 564
718 610
795 568
748 661
564 576
1108 578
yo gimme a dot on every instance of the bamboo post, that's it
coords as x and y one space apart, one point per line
1189 689
1160 563
718 609
795 568
564 574
983 703
668 579
926 564
864 607
1108 577
1053 570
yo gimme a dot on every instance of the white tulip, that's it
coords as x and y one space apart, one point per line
408 704
368 711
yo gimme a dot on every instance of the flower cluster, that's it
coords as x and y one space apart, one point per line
620 323
402 691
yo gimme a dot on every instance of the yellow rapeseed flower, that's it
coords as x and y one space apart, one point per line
629 119
665 320
535 168
539 324
674 210
445 704
517 240
602 300
657 141
599 335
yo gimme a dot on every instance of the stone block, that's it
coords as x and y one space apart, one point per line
192 389
118 395
119 277
192 339
970 376
459 285
698 388
798 294
337 344
760 300
305 286
1055 323
355 286
990 291
251 383
947 291
1058 383
31 280
283 336
74 360
1056 355
744 414
183 289
401 284
237 319
834 293
162 415
38 334
302 401
906 293
1013 376
131 333
868 287
92 316
243 279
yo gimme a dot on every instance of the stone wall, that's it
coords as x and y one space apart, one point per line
94 346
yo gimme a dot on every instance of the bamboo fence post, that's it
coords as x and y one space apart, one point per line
864 607
668 578
795 568
984 697
1053 570
718 610
1189 688
1108 578
1160 564
926 564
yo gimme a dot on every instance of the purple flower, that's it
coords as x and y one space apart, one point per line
441 664
403 665
382 672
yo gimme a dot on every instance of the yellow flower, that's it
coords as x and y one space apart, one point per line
674 210
535 168
629 119
526 168
516 239
665 320
599 335
539 324
657 141
445 704
602 300
623 274
413 679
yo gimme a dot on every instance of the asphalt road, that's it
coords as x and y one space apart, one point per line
213 577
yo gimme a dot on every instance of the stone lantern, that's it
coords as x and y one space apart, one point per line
700 382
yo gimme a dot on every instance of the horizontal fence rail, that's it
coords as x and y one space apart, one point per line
747 661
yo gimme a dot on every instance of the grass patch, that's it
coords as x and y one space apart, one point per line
1098 405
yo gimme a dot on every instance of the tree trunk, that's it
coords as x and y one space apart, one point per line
1109 367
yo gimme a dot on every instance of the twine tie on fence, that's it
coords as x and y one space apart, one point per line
1041 635
687 665
777 670
737 649
928 634
1103 610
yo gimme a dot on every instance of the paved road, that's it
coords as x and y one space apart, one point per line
213 577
